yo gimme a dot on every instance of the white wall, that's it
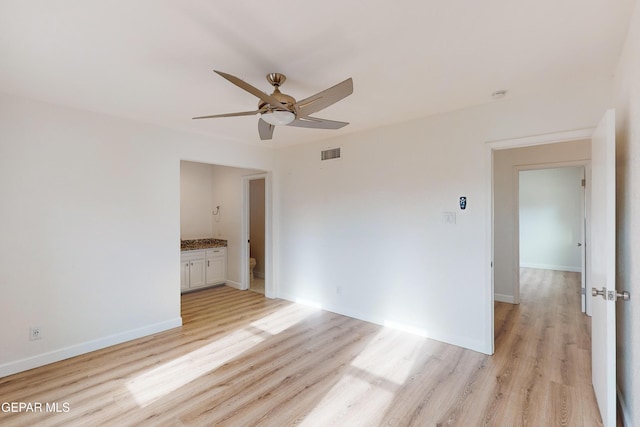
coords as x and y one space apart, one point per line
505 162
627 104
90 226
551 218
196 200
364 235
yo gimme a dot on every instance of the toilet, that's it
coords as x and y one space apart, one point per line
252 265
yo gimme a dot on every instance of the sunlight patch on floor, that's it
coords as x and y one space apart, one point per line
406 328
349 390
389 356
169 377
284 318
309 303
377 372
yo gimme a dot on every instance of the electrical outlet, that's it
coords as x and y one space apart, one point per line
339 290
35 333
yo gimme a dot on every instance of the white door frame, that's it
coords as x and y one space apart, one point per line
269 287
491 146
516 221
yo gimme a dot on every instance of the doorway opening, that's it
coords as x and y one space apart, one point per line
256 231
256 241
505 160
551 221
600 240
213 208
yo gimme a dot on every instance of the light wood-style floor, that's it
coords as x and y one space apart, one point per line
242 360
257 285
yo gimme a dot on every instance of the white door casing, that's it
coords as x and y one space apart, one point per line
602 263
583 247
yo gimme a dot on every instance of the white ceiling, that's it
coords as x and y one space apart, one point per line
152 60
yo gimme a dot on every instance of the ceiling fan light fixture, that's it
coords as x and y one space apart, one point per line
278 117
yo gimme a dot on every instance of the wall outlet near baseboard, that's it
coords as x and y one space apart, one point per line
35 333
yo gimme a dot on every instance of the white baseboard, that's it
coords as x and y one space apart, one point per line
445 338
551 267
626 416
233 284
14 367
504 298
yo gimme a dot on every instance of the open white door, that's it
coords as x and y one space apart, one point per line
603 267
583 246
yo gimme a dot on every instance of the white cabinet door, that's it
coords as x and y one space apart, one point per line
196 273
184 275
216 266
192 270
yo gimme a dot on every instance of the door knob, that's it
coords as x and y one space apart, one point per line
579 244
611 295
624 296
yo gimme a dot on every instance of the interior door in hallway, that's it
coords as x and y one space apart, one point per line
603 267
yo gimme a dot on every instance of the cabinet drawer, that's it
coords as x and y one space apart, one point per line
216 252
191 255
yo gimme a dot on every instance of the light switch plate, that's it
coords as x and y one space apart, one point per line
449 217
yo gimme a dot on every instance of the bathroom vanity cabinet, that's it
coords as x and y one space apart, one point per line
200 268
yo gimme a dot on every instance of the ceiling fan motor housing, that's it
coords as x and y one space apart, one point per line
286 101
277 79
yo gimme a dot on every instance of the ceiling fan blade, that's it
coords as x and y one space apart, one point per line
274 102
324 99
265 130
316 123
243 113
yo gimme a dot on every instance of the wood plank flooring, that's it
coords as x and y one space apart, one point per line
243 360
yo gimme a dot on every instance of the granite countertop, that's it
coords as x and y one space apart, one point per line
195 244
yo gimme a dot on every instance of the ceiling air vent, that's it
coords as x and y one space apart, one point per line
333 153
